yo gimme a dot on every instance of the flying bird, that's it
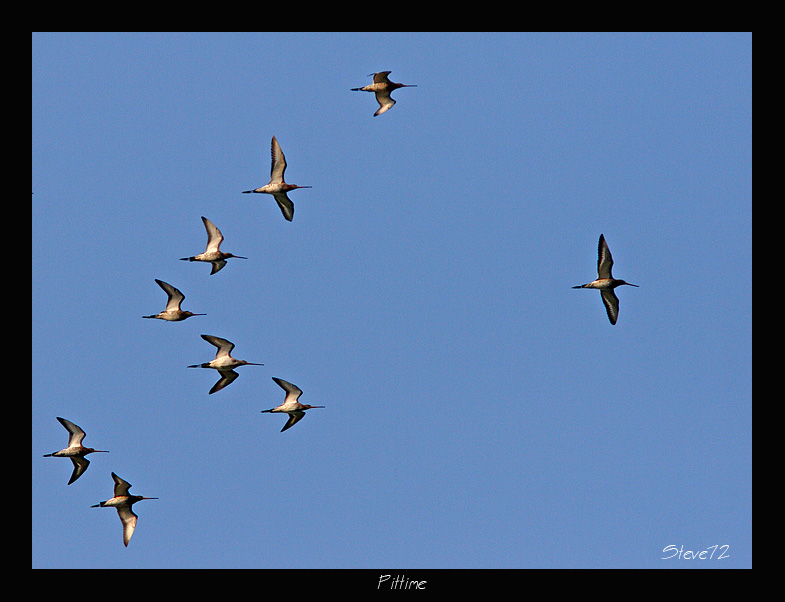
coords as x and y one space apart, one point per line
75 450
277 187
605 282
213 253
290 405
382 87
172 312
223 362
123 501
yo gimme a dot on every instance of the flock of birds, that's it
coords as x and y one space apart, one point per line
224 363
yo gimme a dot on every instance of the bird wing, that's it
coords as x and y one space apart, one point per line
294 418
175 296
121 486
217 265
279 163
214 236
227 378
385 101
224 347
381 77
611 302
128 518
76 434
286 206
293 392
80 465
604 259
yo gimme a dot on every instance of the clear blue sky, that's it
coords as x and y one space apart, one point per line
480 413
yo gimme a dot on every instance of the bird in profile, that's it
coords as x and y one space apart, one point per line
123 501
277 187
290 405
223 362
75 450
382 87
213 253
605 281
172 312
